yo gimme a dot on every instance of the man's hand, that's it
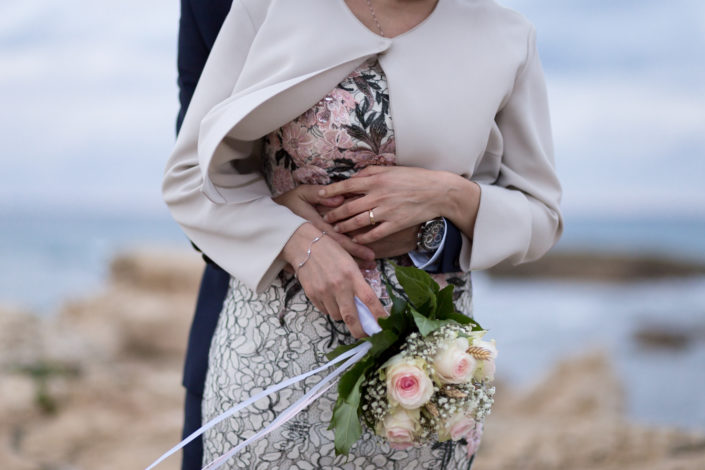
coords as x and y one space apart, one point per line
396 244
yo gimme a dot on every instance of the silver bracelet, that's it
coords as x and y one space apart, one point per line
308 252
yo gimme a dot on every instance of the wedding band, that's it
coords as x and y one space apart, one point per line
372 217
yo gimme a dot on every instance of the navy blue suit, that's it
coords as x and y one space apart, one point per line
199 25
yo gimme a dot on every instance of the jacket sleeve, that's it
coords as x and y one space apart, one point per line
519 218
243 235
192 56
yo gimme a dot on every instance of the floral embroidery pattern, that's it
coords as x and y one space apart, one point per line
349 129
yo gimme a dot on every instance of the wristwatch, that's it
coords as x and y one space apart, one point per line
430 235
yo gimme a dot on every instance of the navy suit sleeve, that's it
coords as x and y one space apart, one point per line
192 56
450 258
198 27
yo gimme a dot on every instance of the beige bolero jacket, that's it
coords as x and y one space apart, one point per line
467 95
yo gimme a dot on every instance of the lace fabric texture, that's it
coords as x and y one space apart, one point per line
264 338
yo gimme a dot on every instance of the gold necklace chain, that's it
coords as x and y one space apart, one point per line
374 17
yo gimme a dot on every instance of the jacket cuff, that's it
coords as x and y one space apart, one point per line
502 229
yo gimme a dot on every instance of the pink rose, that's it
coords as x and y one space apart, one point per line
399 428
486 369
407 383
453 365
474 437
459 425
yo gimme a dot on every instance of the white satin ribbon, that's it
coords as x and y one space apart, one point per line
369 325
367 320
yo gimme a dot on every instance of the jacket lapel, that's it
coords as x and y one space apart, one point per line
277 84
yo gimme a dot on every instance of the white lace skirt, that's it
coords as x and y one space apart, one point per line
263 339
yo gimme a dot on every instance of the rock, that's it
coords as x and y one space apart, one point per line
156 269
652 336
19 338
573 420
146 310
599 267
18 397
123 406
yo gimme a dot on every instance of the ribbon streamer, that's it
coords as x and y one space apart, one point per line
369 325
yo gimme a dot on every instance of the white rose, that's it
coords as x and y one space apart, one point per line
459 425
486 368
399 427
407 383
453 365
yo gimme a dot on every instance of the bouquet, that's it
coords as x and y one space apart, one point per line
424 374
426 377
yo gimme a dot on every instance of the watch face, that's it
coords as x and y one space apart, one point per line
432 235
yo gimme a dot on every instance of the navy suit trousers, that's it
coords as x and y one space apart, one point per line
214 287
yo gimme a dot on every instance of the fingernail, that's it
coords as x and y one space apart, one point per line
336 228
354 240
321 192
325 217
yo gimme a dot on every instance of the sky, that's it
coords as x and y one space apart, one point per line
88 100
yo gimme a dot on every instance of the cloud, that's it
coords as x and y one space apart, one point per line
89 99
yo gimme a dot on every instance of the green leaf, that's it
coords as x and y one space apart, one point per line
347 382
341 349
346 413
346 422
397 320
338 403
426 325
444 303
459 318
401 324
429 307
381 342
398 305
417 284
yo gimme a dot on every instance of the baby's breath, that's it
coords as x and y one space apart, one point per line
375 403
471 399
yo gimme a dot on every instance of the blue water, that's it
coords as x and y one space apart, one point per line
678 238
537 323
47 258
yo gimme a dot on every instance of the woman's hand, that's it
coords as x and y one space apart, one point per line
399 198
396 244
305 201
330 277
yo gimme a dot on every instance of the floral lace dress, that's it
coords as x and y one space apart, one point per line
262 339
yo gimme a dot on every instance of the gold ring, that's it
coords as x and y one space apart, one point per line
372 217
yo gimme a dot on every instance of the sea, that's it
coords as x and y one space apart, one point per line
49 257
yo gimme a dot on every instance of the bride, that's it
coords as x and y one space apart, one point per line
322 126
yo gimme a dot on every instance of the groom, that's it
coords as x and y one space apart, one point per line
198 27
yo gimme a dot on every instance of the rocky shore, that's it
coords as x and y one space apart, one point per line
97 387
587 266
